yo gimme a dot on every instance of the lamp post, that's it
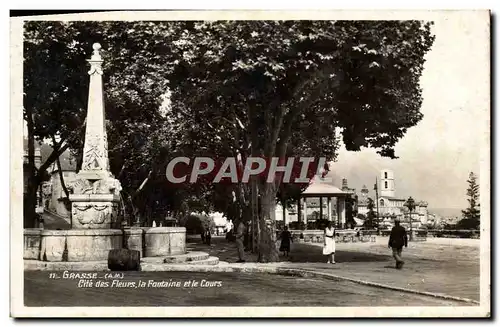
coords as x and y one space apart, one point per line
410 204
375 188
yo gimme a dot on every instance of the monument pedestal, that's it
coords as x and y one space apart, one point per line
94 211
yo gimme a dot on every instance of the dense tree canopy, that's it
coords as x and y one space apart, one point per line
236 88
270 83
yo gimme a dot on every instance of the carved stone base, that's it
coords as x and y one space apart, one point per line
94 211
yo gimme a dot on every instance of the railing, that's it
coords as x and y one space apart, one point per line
349 235
424 233
462 233
341 236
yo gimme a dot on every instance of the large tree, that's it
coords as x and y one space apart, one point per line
239 88
278 80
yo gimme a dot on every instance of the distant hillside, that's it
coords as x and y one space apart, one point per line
446 212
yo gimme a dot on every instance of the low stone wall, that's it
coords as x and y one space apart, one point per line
417 235
454 233
32 243
342 236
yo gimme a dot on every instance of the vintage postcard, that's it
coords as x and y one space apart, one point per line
251 164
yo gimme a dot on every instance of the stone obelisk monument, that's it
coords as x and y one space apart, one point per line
95 193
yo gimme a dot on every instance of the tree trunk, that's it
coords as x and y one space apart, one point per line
31 189
283 213
246 217
30 203
254 211
56 147
267 222
61 178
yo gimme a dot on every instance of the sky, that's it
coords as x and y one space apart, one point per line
436 156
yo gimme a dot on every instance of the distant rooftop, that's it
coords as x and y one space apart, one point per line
395 198
319 186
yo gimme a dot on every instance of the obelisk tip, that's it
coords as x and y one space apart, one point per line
96 56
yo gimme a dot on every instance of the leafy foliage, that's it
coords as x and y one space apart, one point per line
350 211
471 215
371 215
410 204
196 224
235 88
265 88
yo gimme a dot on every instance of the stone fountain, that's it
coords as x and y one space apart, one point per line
95 195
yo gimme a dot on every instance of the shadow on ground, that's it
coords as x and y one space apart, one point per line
300 252
235 289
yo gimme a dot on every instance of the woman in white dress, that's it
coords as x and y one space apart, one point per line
329 244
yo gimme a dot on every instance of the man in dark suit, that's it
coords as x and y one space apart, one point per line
397 240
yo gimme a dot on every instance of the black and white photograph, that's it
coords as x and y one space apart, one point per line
251 164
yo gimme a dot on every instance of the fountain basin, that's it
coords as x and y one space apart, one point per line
160 241
79 245
133 239
32 240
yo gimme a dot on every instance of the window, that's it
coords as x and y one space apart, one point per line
382 202
386 184
385 176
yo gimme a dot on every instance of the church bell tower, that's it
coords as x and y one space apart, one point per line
387 188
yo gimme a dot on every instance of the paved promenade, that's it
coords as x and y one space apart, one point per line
443 266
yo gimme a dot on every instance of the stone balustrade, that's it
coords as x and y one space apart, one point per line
342 236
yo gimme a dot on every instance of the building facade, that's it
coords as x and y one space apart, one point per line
390 206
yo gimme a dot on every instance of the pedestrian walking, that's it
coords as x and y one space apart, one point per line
208 236
286 238
240 235
397 240
329 243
